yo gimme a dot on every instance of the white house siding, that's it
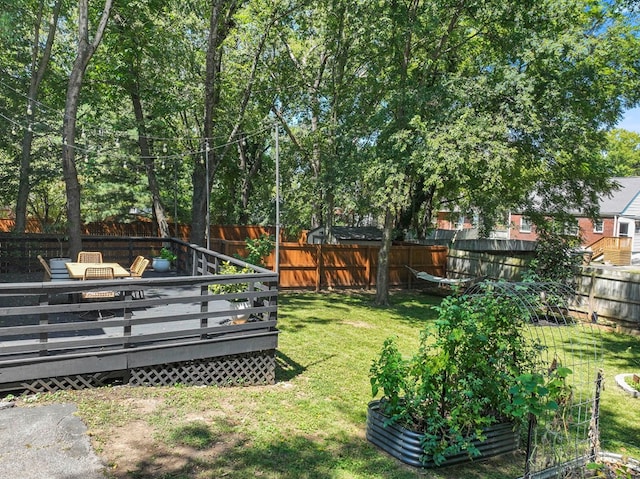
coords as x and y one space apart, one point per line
632 209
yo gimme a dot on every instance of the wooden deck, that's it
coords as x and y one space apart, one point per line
179 332
615 251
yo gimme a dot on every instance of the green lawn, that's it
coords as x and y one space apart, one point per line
311 423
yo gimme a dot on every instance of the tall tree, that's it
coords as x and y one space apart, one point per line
484 103
139 28
40 55
623 152
321 105
220 23
85 50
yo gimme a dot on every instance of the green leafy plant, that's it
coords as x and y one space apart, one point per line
610 471
536 394
220 288
464 375
258 249
167 254
557 256
633 381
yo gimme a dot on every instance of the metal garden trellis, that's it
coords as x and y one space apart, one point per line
559 442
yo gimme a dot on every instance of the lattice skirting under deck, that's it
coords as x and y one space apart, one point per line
71 382
248 369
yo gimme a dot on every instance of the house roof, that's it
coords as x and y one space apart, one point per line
620 199
351 233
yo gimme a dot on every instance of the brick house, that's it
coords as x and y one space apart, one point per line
619 218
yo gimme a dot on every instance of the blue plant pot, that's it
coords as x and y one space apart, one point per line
161 265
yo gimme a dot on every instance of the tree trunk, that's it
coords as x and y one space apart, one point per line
149 166
39 66
317 218
250 161
86 50
382 278
203 171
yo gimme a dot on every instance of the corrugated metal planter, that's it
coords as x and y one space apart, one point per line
404 444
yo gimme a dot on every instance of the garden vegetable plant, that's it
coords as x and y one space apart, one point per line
474 369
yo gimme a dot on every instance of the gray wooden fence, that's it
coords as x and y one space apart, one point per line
609 296
477 264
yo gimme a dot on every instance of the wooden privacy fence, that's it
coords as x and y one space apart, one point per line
479 264
610 297
147 228
301 265
323 266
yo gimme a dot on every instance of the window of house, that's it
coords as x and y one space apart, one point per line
571 229
525 225
598 226
623 230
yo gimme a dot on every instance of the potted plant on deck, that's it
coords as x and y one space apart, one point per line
237 303
466 390
162 263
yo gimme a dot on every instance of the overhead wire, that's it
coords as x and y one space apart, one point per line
83 148
102 132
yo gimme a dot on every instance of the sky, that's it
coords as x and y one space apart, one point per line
631 120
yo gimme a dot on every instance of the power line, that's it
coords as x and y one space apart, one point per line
117 149
102 132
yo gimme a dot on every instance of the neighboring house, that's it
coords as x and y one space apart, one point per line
619 218
365 235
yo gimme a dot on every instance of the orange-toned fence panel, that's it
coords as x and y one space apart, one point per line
147 228
346 266
299 266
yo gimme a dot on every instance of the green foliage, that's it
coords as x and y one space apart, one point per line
623 152
406 104
535 394
611 471
464 376
633 381
166 253
557 256
389 375
259 249
229 268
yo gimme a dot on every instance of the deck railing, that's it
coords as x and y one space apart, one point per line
49 337
615 250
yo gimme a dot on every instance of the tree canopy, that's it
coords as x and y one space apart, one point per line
388 110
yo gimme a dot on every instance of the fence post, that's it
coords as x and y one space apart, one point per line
594 426
367 266
319 261
410 260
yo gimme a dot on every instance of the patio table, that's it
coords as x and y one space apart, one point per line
76 270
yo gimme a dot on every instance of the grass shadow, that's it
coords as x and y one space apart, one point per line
287 368
305 457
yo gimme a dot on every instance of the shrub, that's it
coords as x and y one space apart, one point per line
464 375
228 268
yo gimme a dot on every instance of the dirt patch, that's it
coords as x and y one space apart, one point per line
357 324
